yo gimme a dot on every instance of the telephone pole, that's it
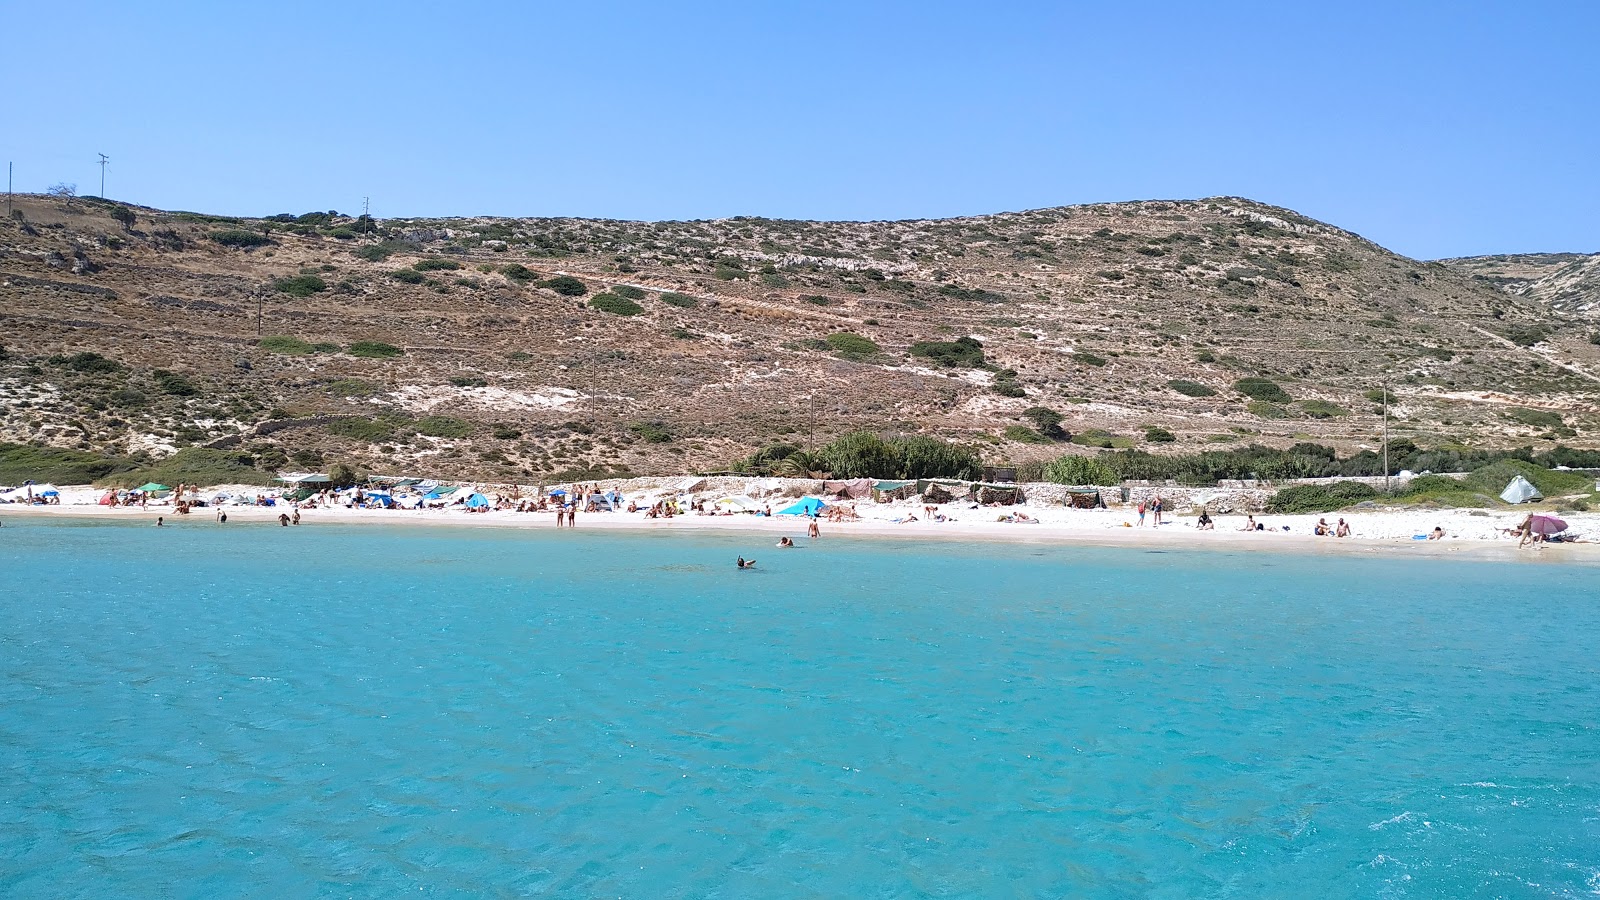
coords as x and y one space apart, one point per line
1386 439
104 160
9 212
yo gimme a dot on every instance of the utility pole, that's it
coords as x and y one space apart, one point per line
366 215
258 314
9 212
1386 439
104 160
811 429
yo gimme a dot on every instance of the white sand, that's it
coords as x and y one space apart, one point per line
1476 533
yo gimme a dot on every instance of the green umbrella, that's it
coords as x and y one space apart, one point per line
152 487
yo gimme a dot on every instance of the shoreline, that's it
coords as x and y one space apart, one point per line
1100 528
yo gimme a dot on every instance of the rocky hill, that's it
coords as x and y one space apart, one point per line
526 348
1568 282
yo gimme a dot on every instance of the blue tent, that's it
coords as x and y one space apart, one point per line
810 506
477 501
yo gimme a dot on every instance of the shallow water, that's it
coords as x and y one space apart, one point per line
204 711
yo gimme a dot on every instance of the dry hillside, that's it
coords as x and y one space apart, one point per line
1568 282
148 335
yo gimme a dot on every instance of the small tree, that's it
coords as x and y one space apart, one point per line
1047 421
342 475
125 216
63 191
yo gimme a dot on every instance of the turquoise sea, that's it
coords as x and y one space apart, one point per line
253 711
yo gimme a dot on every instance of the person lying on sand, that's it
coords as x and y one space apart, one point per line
908 517
1437 534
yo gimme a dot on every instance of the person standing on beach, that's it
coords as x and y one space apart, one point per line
1159 506
812 531
1141 513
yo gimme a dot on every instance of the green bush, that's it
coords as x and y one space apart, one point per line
683 301
1322 409
566 286
628 291
352 387
1265 410
469 381
380 251
435 264
862 454
1099 437
240 238
174 384
849 345
1261 389
1080 470
1088 359
92 364
300 285
1205 356
519 273
1190 388
372 431
374 350
281 343
1022 434
617 306
1155 434
21 462
961 353
407 276
1538 418
443 427
1310 498
1005 384
1047 421
653 432
196 465
819 300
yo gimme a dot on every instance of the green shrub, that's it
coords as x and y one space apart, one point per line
352 387
819 300
566 286
862 454
1527 335
238 237
281 343
1261 389
617 306
443 427
519 273
174 384
1098 437
1265 410
371 431
343 233
22 462
850 345
628 291
961 353
435 264
196 465
1537 418
1022 434
1047 421
1322 409
683 301
374 350
653 432
380 251
1088 359
92 364
469 381
1155 434
300 285
1190 388
1205 356
1080 470
1005 384
407 276
1311 498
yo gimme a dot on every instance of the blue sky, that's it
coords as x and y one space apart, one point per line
1436 129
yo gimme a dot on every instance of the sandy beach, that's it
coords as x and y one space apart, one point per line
1468 533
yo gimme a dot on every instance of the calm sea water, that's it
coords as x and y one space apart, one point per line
204 711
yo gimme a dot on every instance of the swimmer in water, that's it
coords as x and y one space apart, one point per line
785 542
746 563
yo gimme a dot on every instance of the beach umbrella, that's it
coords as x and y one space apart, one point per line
558 492
1546 525
810 506
152 487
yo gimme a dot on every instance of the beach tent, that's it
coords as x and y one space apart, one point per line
152 488
439 493
477 501
381 498
108 498
810 506
1520 490
853 489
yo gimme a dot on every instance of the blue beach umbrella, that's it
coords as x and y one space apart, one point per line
810 506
